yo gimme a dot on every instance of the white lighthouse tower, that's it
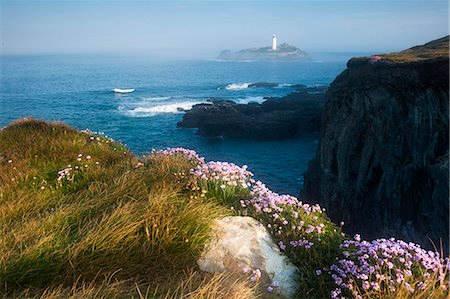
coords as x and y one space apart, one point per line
274 42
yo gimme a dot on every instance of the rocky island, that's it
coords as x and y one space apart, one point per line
382 164
276 118
284 52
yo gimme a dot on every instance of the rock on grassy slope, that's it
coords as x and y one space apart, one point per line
382 162
82 217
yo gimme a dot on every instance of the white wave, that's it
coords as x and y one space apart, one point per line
247 100
156 99
284 85
168 108
119 90
237 86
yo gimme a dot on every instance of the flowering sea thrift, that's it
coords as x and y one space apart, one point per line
95 136
224 172
256 275
283 216
191 155
383 266
68 173
374 59
64 174
369 269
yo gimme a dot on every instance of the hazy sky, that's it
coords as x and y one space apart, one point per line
199 28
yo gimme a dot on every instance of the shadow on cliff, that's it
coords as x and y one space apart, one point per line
382 163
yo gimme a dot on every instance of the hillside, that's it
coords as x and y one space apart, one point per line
82 217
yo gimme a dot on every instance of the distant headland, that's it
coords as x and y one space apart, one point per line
284 52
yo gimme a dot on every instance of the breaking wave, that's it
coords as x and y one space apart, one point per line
120 90
156 99
159 109
237 86
245 85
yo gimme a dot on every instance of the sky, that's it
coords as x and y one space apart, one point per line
203 28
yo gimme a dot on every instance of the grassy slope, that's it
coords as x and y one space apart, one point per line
112 225
119 226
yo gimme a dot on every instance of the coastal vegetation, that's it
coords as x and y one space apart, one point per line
81 216
435 49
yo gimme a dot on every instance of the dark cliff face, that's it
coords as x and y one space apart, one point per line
382 163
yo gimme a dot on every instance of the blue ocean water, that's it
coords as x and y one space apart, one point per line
78 90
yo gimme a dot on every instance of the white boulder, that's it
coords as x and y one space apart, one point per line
241 243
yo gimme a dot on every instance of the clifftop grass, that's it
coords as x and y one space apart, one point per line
433 50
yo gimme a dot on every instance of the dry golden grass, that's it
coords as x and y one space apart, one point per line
436 49
192 285
207 286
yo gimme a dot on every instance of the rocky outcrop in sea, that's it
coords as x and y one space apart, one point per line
382 163
276 118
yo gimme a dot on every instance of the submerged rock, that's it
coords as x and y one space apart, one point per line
243 245
382 163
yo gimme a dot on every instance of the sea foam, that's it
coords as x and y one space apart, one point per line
120 90
245 85
168 108
247 100
150 99
237 86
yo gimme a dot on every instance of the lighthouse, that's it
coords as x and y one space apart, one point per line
274 42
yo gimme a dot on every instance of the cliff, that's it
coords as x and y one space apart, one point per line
382 162
276 118
285 52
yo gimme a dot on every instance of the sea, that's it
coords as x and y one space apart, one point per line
79 90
